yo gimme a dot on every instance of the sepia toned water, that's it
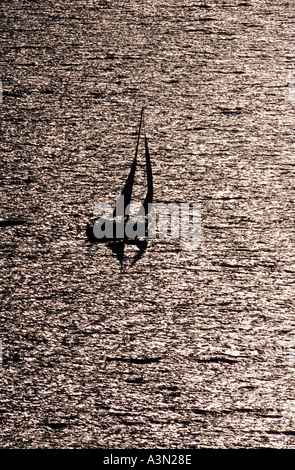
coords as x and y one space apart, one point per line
162 347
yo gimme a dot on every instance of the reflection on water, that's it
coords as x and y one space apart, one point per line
147 346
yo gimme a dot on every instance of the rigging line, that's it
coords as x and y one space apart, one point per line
139 130
143 125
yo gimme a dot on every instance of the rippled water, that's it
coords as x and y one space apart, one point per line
164 347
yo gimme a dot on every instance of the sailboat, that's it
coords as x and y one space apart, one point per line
127 192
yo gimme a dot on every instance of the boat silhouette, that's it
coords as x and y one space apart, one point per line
126 195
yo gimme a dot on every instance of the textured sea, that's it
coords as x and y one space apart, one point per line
162 347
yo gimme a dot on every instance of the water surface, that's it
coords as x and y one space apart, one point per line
167 348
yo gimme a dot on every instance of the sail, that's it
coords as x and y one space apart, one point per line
150 191
149 196
127 190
